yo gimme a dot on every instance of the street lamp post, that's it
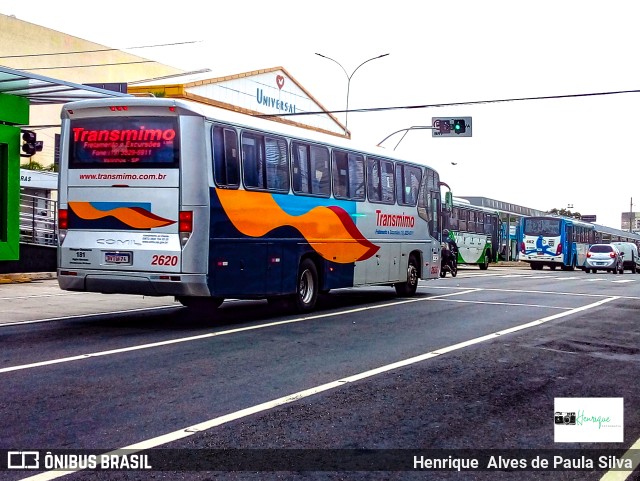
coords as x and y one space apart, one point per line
346 113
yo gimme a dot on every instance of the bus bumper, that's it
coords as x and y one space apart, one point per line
142 283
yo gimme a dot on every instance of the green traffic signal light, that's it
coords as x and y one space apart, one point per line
459 126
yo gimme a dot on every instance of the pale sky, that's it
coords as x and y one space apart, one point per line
539 153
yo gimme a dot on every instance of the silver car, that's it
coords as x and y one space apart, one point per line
605 257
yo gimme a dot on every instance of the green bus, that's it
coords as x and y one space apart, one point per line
476 231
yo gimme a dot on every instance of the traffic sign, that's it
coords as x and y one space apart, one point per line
451 126
588 218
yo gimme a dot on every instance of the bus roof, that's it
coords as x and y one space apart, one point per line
247 121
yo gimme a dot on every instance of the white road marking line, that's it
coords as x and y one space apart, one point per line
91 314
634 455
496 303
526 291
623 281
220 333
211 423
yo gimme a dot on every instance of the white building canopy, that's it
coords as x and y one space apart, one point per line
42 90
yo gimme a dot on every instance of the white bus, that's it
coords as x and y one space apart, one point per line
169 197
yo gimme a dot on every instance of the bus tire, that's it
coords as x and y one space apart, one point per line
200 303
307 286
485 265
408 288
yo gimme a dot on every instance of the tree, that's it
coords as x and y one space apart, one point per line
565 213
35 165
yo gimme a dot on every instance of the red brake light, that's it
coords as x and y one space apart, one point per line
588 254
119 107
559 249
185 221
522 248
612 255
63 219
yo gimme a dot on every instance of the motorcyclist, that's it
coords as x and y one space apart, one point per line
449 249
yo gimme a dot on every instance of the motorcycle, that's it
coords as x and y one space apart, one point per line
449 263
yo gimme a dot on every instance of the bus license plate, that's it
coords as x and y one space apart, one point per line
117 257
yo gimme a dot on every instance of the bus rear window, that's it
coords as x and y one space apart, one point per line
544 227
124 142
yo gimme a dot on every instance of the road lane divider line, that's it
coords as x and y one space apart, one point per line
220 333
634 455
513 304
81 316
532 291
268 405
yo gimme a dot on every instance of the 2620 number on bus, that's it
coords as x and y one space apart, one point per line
159 260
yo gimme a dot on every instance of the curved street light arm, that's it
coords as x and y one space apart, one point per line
346 114
415 127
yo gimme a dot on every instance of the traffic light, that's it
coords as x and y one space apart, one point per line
450 127
459 126
30 145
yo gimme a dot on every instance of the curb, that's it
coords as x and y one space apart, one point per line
26 277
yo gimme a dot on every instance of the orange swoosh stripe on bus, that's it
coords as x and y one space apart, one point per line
135 217
329 230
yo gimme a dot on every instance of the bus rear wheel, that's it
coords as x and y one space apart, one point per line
485 265
307 286
408 288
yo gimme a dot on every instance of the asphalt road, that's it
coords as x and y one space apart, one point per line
469 367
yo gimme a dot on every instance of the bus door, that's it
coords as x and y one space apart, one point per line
120 195
568 246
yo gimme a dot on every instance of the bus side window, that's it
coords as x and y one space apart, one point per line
408 181
300 168
311 170
388 184
480 223
453 219
265 162
373 180
321 176
252 161
464 215
277 164
226 165
348 175
380 181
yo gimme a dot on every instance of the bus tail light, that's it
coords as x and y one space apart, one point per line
559 249
185 226
522 248
63 224
63 218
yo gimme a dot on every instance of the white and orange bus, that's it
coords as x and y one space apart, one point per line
169 197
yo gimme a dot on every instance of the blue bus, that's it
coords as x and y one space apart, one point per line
554 241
